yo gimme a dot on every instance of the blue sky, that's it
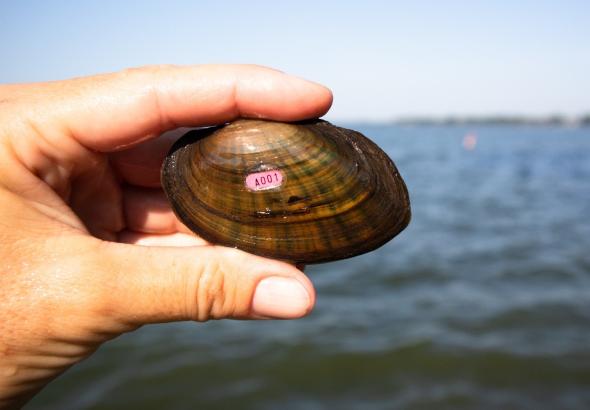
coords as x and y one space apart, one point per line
382 59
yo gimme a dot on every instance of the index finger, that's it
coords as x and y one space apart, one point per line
114 111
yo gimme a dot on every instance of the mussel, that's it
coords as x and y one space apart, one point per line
305 192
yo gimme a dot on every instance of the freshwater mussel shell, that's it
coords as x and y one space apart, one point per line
329 193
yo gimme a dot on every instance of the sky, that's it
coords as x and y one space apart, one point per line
382 59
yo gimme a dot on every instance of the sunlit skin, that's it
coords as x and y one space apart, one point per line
80 194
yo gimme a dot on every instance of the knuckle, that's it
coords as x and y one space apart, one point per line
146 70
215 290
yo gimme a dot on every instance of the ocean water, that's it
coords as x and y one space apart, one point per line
482 303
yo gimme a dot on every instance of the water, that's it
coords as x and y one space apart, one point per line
483 302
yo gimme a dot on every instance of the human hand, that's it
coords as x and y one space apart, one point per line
79 189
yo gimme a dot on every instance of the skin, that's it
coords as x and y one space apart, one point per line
89 247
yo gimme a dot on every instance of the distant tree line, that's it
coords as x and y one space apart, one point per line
553 120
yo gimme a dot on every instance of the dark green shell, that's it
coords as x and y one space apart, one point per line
305 192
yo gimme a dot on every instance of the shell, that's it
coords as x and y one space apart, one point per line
306 192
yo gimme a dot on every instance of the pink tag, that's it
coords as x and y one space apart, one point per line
260 181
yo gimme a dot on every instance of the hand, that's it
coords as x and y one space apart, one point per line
79 190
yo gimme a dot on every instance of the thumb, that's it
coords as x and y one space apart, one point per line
159 284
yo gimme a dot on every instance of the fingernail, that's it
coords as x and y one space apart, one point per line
280 298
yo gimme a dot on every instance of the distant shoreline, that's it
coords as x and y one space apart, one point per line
551 121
